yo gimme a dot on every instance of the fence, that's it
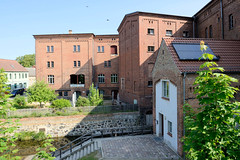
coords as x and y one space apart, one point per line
38 112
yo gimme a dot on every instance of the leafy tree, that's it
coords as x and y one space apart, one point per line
19 101
7 127
94 97
27 60
61 103
40 92
82 101
212 132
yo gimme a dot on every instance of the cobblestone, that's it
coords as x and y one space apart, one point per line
147 147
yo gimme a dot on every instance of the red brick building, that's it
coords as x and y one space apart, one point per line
219 19
71 62
140 36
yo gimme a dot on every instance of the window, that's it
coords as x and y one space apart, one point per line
52 48
20 85
206 32
107 64
114 50
50 79
15 76
25 75
101 92
230 22
150 48
210 31
48 64
79 64
10 76
150 31
22 75
165 89
19 76
170 128
77 79
168 32
76 48
101 78
65 93
52 62
100 48
114 78
48 48
25 85
75 63
60 93
15 85
185 34
150 83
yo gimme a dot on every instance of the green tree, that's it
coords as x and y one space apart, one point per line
27 60
94 98
212 132
7 127
40 92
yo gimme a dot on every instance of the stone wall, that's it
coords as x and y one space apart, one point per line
79 124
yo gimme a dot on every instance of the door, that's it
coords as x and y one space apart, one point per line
161 125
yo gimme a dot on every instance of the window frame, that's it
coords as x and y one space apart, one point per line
230 19
210 32
169 128
165 89
149 31
114 78
151 48
74 63
150 83
50 79
186 34
101 78
169 32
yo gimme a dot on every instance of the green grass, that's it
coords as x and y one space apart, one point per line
91 156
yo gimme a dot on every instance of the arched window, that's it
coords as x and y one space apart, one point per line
114 49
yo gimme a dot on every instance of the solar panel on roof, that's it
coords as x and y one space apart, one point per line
191 51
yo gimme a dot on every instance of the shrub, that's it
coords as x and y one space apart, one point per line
19 101
94 97
82 101
61 103
31 135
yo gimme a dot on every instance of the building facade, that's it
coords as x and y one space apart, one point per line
219 19
140 35
17 75
70 62
173 80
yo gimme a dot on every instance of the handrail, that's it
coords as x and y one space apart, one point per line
108 131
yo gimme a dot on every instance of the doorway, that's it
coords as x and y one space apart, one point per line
78 93
161 125
115 93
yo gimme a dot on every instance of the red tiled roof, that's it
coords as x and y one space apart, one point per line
11 66
228 51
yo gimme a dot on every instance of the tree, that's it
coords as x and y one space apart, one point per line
94 97
40 92
7 127
27 60
212 132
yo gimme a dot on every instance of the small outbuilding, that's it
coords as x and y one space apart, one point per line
173 76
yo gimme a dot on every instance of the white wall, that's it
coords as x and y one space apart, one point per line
169 110
18 80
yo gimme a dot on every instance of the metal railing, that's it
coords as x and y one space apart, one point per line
84 140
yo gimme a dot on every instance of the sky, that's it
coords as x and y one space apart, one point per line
21 19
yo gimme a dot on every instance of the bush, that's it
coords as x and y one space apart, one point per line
19 101
82 101
61 103
31 135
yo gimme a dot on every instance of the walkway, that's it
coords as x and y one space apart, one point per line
145 147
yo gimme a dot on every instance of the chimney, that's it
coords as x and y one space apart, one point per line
70 31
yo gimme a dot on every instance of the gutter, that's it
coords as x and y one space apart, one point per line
184 98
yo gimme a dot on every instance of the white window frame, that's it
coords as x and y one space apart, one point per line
114 78
169 32
101 78
165 88
150 31
50 79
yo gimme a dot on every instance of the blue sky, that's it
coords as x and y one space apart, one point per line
20 19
